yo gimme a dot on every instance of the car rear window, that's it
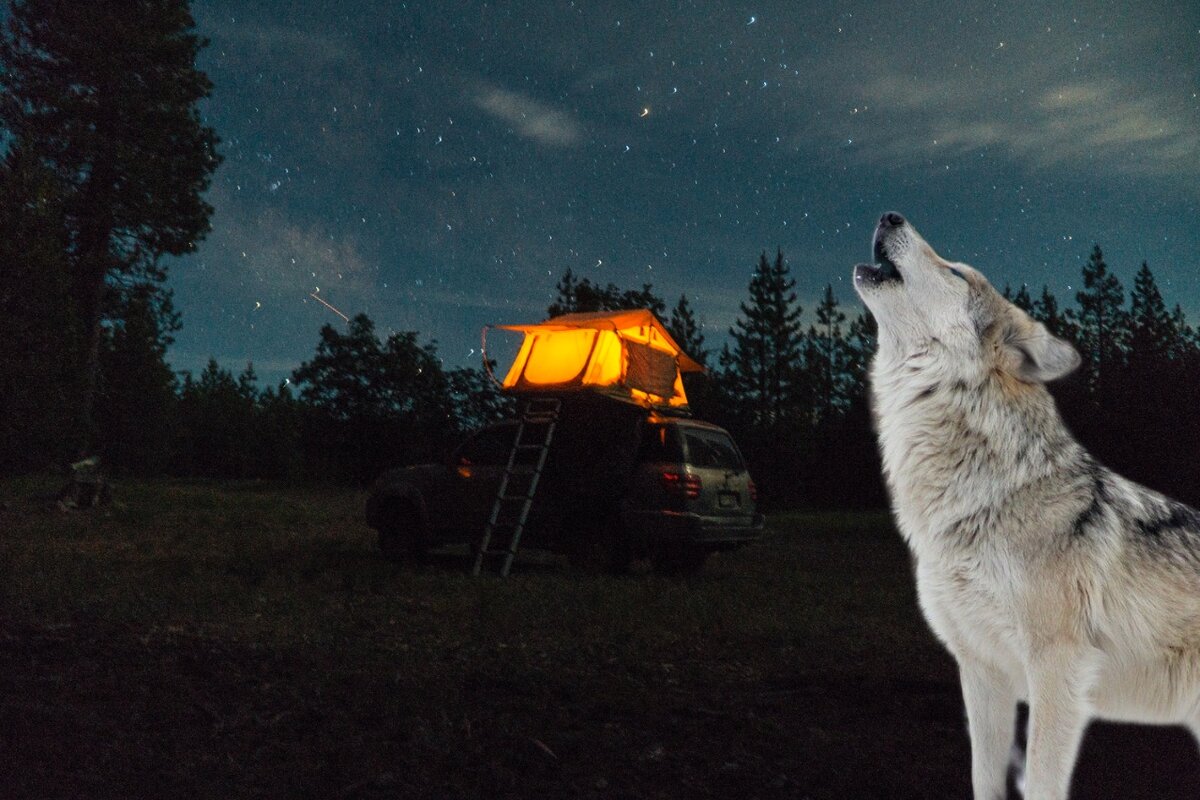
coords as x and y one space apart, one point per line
711 449
660 444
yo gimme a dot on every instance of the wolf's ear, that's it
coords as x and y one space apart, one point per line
1039 356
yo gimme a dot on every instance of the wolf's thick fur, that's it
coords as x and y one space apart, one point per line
1051 579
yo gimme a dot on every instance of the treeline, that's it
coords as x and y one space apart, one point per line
795 395
790 383
361 404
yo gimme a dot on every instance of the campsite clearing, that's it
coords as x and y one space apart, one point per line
245 640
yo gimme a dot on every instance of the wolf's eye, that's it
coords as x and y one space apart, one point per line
957 274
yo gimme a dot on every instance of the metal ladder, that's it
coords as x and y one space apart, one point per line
534 434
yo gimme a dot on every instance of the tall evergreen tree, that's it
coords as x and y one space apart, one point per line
1186 344
1152 332
39 330
136 396
1021 299
104 94
860 344
828 359
1045 310
218 423
1101 321
684 328
765 367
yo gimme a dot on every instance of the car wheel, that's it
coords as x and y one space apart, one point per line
679 560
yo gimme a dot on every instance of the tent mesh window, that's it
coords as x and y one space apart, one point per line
649 370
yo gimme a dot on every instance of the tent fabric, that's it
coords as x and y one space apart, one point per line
652 371
612 321
624 354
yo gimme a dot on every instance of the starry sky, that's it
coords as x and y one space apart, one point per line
438 165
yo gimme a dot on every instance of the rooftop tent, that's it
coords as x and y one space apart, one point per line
625 354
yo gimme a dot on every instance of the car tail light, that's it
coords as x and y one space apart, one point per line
683 484
753 492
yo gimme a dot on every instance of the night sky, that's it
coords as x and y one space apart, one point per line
439 165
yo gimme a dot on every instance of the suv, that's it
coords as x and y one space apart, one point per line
680 492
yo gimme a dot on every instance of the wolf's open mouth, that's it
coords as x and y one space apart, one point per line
887 267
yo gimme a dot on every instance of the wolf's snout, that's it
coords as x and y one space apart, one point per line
891 220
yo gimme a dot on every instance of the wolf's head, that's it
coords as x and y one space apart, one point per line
920 301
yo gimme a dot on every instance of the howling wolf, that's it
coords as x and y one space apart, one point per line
1050 579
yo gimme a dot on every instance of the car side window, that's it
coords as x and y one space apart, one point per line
712 449
660 445
489 447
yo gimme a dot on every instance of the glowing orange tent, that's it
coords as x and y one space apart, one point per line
625 354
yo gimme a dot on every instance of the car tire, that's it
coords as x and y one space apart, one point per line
679 560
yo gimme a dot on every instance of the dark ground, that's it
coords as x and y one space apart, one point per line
245 641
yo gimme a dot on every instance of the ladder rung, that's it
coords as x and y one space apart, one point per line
515 497
531 447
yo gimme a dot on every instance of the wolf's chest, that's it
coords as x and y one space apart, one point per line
968 607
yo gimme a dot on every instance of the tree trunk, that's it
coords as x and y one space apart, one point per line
92 318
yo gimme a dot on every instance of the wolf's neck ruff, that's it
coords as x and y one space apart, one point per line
953 441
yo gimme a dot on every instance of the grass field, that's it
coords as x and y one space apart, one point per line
246 640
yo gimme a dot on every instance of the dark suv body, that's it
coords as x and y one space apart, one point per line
674 490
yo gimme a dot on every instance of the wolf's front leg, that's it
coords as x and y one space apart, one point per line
990 700
1057 718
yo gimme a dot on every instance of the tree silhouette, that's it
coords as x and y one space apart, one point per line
828 359
374 404
136 396
573 295
1152 333
764 369
104 94
1021 299
685 330
219 423
39 329
1101 322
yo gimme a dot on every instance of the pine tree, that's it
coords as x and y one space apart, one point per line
104 94
219 425
861 342
1101 322
1021 299
136 395
684 328
765 367
1186 344
828 359
39 330
1152 331
1045 310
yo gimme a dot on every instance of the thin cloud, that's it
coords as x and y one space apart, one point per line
1098 124
530 118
